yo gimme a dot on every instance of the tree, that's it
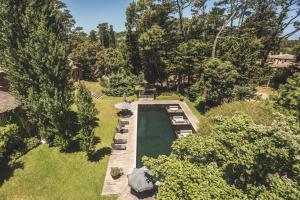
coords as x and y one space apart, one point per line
112 38
217 83
186 58
288 95
243 52
120 83
103 34
109 61
132 46
34 35
85 56
93 36
269 20
87 118
151 51
237 160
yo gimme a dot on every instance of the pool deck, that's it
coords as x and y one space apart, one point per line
126 159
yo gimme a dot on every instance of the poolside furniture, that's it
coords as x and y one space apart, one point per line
121 129
183 133
118 146
174 109
120 139
140 180
179 120
123 121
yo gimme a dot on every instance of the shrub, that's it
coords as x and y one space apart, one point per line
121 83
31 143
200 103
116 172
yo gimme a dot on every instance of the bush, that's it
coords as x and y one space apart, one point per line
116 172
31 143
121 83
200 103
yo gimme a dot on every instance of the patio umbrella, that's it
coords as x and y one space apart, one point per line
140 180
123 106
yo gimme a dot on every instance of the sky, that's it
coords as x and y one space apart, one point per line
89 13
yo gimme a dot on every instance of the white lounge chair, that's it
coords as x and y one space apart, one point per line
178 119
173 108
184 133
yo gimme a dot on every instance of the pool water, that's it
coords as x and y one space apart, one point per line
155 134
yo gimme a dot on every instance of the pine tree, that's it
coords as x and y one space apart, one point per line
87 118
33 35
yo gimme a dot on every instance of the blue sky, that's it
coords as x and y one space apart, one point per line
89 13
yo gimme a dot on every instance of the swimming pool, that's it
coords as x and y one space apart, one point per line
155 134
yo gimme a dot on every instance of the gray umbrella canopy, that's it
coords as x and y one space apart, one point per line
140 180
123 106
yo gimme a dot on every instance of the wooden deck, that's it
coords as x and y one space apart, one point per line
126 159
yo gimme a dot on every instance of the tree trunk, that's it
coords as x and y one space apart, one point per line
214 49
179 83
180 12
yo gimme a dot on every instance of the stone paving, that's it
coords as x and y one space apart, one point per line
126 159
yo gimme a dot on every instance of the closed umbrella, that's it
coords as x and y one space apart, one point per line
140 180
123 106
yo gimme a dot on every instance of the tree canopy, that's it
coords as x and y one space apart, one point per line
238 160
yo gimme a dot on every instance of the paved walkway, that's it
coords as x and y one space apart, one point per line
126 159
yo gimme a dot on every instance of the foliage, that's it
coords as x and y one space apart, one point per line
121 83
34 35
252 161
186 58
9 139
288 95
87 120
116 172
85 56
217 82
184 180
243 53
151 48
109 61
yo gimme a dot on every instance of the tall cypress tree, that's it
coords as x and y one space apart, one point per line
34 35
112 38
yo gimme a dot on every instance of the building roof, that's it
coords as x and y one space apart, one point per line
7 102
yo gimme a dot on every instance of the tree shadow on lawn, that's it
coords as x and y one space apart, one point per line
7 171
75 146
99 154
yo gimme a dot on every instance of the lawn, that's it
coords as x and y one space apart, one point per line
49 174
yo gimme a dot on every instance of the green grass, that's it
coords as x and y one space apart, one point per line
168 96
258 111
49 174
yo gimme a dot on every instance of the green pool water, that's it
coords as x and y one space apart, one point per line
155 134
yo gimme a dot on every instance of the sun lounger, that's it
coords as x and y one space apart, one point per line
178 119
123 122
173 108
118 146
184 133
121 130
120 141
